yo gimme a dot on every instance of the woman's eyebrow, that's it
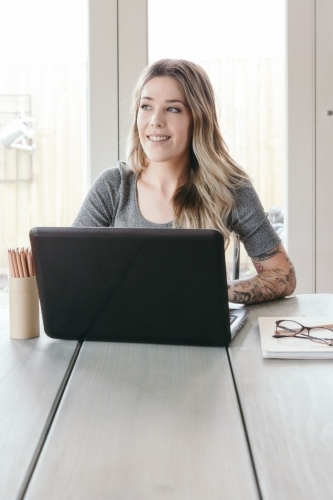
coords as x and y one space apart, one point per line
167 100
176 100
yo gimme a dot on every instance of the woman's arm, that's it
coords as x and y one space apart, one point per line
99 206
275 279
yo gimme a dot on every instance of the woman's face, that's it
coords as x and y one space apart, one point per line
164 121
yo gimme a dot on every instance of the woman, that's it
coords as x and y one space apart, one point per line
179 174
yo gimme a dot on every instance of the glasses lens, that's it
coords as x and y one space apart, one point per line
321 335
288 328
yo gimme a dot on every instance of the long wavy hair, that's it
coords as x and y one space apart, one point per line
207 197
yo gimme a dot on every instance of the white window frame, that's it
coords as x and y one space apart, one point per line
301 151
103 130
117 55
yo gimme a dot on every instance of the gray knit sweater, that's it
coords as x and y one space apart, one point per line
112 202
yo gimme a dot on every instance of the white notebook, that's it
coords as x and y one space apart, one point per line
293 348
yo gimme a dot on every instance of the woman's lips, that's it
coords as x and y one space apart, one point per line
157 139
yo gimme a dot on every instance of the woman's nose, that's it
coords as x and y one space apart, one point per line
157 119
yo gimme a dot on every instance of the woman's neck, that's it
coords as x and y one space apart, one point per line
164 177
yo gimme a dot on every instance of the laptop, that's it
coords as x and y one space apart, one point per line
157 286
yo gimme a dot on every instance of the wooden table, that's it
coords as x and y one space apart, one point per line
163 422
33 374
146 422
288 408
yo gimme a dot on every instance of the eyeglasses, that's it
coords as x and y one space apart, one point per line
322 334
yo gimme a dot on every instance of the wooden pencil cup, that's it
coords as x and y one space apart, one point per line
23 308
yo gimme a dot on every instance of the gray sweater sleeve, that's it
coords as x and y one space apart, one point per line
100 204
249 221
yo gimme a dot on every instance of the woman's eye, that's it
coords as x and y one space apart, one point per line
145 106
174 110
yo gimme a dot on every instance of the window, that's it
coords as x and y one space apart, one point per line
43 163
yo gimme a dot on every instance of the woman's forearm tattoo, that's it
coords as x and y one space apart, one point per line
264 256
267 285
267 255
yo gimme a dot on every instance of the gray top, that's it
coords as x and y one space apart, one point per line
112 202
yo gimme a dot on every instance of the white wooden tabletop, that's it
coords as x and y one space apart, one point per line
288 408
146 422
31 373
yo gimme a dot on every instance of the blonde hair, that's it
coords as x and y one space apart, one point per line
207 197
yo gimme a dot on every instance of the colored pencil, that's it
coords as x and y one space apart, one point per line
16 271
20 263
30 265
24 263
11 266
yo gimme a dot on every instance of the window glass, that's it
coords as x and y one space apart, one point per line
43 117
241 45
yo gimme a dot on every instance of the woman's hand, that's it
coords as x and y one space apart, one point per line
275 279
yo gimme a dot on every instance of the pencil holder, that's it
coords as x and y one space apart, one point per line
23 308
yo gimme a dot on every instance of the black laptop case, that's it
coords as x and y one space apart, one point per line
132 285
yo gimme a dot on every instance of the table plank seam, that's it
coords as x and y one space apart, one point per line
244 426
48 423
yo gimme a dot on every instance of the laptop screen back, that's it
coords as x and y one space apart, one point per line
132 285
